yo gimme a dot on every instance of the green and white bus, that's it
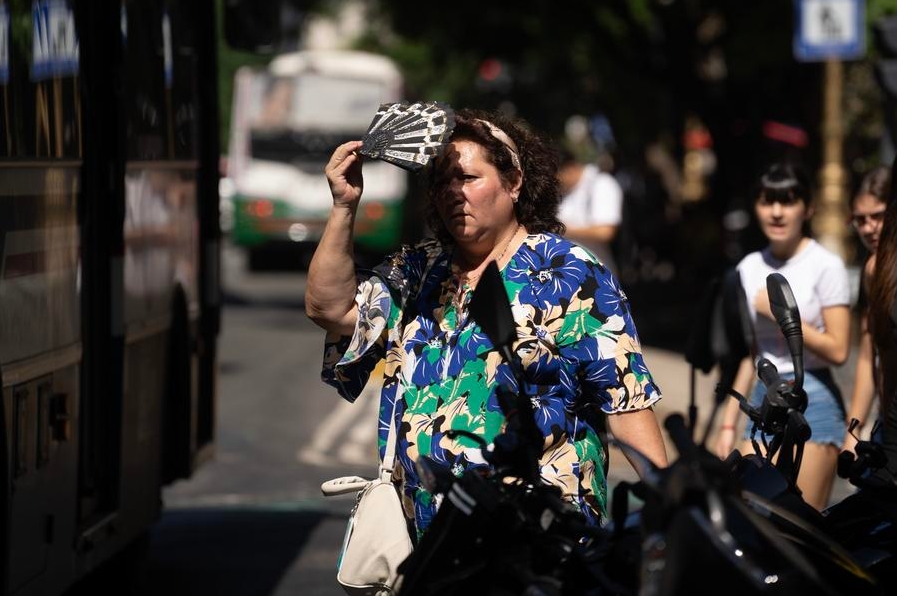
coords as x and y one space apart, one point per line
287 119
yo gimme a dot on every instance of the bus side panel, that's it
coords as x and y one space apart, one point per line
44 471
39 353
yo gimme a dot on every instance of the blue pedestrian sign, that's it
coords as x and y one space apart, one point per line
827 29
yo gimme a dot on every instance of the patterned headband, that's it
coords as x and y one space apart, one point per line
506 140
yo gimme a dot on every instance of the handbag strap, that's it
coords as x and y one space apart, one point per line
389 456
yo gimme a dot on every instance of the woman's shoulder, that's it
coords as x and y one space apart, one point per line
869 268
548 245
424 249
550 256
548 241
823 256
410 262
750 261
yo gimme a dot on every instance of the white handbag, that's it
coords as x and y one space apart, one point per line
377 537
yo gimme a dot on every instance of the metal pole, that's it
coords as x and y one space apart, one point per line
829 222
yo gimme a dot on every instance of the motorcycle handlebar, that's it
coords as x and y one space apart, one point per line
680 435
769 375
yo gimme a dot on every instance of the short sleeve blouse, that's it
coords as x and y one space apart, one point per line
577 343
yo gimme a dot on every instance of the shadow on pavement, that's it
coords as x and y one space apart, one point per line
226 552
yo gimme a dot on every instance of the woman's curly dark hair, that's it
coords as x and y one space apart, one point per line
536 207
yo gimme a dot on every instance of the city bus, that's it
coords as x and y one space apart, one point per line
109 283
287 119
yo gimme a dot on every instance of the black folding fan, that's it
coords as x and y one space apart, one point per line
408 135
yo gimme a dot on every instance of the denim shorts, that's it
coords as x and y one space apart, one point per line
825 410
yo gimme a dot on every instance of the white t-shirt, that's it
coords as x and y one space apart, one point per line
818 279
597 199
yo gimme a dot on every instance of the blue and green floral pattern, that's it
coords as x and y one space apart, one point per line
416 342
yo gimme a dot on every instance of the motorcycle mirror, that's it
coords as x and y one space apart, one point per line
739 331
787 314
491 309
699 349
733 339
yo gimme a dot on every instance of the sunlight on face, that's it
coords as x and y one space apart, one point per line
469 195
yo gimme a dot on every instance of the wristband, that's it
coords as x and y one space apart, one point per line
727 427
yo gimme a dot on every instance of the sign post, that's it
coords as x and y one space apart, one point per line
831 31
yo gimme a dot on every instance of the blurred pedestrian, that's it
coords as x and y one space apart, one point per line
881 272
591 206
867 210
818 279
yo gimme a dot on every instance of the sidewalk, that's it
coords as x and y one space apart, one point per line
673 375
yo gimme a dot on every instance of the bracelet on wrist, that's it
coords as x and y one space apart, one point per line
727 427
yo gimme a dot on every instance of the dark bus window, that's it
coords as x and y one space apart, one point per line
183 80
145 92
41 114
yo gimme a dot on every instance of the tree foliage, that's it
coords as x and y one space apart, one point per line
646 64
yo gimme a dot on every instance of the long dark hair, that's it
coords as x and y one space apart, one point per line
537 205
876 182
882 297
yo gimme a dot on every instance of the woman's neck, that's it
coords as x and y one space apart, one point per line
472 258
786 249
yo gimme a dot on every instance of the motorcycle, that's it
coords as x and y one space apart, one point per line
866 521
740 522
501 531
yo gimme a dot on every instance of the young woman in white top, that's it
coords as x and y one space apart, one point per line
818 279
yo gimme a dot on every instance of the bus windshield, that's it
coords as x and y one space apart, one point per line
288 117
302 118
311 101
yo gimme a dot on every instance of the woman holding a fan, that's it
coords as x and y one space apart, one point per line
406 326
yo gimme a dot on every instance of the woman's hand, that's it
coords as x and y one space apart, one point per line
850 443
343 173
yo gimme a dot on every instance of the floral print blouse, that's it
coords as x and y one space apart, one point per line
414 338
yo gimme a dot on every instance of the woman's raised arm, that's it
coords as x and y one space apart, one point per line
331 285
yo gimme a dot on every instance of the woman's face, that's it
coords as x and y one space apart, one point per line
866 217
468 194
782 221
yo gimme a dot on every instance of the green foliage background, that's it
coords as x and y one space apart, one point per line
643 63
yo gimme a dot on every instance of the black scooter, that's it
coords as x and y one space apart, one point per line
740 524
502 531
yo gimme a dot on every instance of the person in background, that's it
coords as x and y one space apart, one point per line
881 272
867 210
877 486
819 281
492 196
591 206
